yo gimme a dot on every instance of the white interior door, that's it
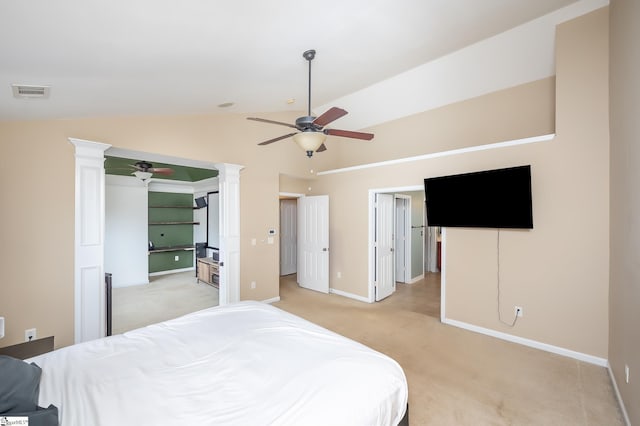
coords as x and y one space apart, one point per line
313 243
288 237
385 258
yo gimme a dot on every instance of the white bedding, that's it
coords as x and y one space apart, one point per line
243 364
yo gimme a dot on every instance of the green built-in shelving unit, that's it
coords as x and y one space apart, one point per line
170 231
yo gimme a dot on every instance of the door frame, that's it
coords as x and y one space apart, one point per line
89 285
371 255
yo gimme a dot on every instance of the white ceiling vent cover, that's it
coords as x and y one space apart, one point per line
30 91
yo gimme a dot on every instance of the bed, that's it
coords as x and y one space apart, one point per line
243 364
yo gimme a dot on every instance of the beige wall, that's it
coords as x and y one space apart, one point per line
558 272
296 185
523 111
37 226
624 294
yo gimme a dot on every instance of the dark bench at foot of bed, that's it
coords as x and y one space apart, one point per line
405 419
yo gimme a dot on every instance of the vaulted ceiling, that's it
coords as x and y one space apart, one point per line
114 58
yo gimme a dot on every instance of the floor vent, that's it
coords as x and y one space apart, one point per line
30 91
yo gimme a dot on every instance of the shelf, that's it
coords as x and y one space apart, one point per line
174 223
174 248
174 207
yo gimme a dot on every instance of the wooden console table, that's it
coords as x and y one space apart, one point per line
207 271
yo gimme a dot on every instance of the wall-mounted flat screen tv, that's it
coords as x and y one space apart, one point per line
488 199
201 202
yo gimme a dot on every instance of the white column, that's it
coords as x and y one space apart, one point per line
229 225
89 240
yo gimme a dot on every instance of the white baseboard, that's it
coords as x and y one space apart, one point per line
625 415
416 279
602 362
349 295
172 271
272 300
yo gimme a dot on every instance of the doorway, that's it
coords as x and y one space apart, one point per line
412 247
304 240
172 216
89 281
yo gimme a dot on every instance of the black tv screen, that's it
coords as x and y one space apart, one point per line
489 199
201 202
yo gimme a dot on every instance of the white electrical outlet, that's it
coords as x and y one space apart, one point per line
176 258
1 327
339 274
30 334
253 284
518 311
626 373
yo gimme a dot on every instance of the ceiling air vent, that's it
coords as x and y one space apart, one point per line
30 91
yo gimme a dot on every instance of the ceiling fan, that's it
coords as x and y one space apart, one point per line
145 166
144 170
311 133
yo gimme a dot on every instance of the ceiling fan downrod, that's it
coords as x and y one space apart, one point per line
309 55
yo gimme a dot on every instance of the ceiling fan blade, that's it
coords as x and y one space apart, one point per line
279 138
330 115
322 148
349 134
264 120
162 171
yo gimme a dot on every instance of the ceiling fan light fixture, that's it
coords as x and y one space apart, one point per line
309 141
143 176
312 132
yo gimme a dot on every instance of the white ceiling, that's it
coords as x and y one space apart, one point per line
142 57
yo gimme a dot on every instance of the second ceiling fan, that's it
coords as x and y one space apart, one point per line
311 132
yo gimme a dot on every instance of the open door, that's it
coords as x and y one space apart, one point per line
384 242
403 238
313 243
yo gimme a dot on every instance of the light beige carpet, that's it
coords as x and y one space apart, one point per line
457 377
165 297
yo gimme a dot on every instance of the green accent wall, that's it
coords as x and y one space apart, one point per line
165 261
170 207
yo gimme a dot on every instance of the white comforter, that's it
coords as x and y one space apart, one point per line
243 364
